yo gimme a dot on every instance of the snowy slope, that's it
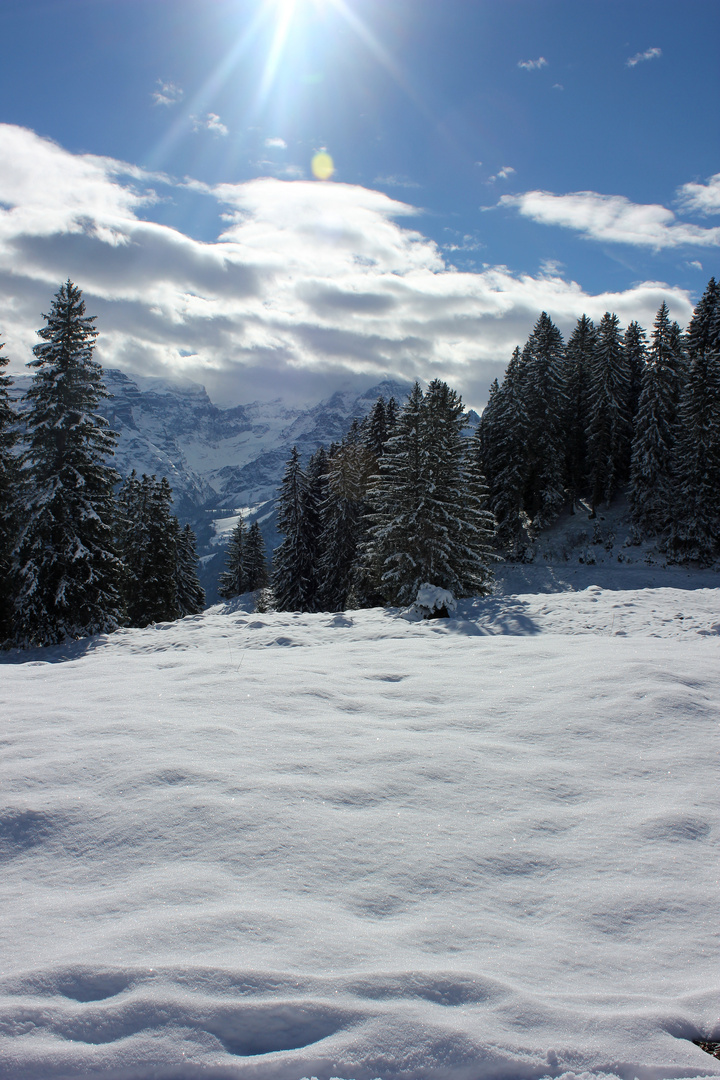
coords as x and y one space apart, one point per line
352 845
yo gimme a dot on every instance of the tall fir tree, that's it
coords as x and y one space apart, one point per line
651 480
190 593
695 529
294 571
576 380
635 342
349 471
544 406
67 568
232 581
254 560
609 420
149 534
428 522
10 499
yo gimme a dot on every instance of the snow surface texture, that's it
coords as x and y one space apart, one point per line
359 845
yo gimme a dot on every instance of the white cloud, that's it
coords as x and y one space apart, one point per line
702 198
503 174
558 86
310 287
612 218
695 264
167 93
275 144
399 181
638 58
209 122
533 65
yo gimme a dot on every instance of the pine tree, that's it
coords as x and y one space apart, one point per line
696 512
190 593
544 406
349 471
254 560
10 500
651 483
67 568
232 580
294 571
149 535
428 522
635 342
610 421
576 376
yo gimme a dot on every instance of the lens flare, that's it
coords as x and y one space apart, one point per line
322 165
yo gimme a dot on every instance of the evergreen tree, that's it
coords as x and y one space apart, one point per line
544 407
428 523
149 535
635 342
294 581
610 421
376 428
232 581
254 560
190 593
68 571
349 471
651 484
10 501
696 513
576 376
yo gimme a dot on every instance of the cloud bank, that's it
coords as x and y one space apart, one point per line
310 286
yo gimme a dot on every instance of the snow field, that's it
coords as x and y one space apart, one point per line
280 846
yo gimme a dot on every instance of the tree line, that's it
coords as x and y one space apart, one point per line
607 413
78 554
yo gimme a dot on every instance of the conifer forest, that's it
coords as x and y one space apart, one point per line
407 498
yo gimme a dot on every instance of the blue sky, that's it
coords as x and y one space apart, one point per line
491 159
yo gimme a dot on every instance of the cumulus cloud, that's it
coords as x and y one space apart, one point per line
502 174
167 93
639 58
275 144
702 198
533 65
209 122
310 287
612 218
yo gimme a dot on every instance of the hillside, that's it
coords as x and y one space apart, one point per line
353 845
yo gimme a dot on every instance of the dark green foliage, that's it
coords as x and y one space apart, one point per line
349 471
294 571
610 419
254 560
232 581
635 342
576 384
651 480
149 535
190 593
542 391
695 530
10 500
66 565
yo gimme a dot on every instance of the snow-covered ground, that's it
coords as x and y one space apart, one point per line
352 845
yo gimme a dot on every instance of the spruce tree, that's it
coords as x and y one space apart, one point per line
609 420
651 482
544 407
576 378
349 470
696 513
254 560
232 581
149 535
190 593
67 568
635 342
10 499
294 571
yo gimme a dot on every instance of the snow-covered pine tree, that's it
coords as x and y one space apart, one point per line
576 375
232 581
610 421
10 500
651 483
294 581
66 565
349 471
148 533
501 454
375 428
695 529
428 526
635 342
190 593
544 404
254 560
